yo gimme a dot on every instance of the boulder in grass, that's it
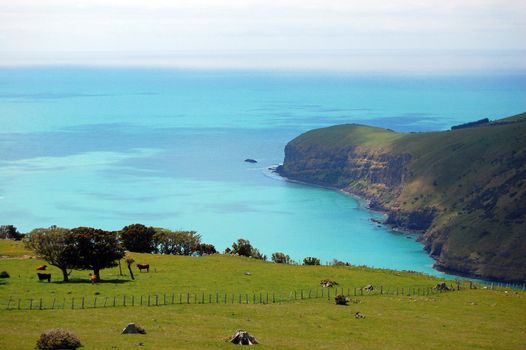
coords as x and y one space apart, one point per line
328 283
368 288
132 328
243 338
441 286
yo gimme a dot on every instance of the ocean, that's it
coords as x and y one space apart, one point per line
107 147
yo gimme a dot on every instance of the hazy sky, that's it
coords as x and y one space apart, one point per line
350 35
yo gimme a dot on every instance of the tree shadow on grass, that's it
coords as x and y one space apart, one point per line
86 281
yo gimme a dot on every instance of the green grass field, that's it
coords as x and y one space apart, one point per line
465 319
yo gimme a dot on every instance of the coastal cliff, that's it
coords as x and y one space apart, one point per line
465 189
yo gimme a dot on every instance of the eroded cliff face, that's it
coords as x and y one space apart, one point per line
465 190
375 175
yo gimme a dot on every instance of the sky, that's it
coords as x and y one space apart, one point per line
343 35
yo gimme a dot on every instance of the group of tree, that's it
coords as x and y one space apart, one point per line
10 232
81 248
142 239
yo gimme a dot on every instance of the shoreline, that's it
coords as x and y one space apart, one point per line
364 204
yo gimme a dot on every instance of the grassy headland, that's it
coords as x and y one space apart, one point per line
465 188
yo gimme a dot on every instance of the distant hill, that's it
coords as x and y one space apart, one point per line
464 188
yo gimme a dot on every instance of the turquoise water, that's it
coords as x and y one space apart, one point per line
110 147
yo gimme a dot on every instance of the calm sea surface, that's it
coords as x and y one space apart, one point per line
110 147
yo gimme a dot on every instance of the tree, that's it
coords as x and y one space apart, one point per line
281 258
244 248
310 260
97 249
205 248
56 246
129 262
10 232
138 238
176 242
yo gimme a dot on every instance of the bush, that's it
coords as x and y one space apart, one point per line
281 258
341 299
244 248
311 261
4 274
58 338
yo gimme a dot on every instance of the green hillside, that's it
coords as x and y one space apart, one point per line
415 318
466 188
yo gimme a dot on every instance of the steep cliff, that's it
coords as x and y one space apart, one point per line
465 188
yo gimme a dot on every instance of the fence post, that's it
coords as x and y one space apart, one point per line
328 294
156 299
18 304
173 297
133 300
148 299
180 298
53 305
124 300
381 290
164 298
72 303
105 301
8 302
273 297
217 297
82 305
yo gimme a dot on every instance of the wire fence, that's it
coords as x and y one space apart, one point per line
180 298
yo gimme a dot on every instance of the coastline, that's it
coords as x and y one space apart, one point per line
364 203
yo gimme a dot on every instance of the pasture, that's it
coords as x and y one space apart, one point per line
474 319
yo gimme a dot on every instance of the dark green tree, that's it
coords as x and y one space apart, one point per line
138 238
176 242
56 246
244 248
281 258
97 249
10 232
310 260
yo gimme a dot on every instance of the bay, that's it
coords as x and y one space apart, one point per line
109 147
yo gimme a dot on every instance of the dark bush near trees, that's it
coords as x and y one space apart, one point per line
244 248
138 238
58 338
281 258
205 248
310 260
10 232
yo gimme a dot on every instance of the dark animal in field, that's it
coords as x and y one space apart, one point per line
143 267
243 338
42 267
44 276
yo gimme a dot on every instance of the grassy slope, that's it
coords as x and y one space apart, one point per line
474 177
474 319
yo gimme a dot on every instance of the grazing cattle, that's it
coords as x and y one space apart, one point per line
42 267
44 276
143 267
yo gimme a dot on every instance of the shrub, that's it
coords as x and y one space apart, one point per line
244 248
310 260
281 258
58 338
4 274
341 299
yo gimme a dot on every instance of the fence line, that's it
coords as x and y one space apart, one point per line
181 298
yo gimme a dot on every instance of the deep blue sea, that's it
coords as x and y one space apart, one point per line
111 147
